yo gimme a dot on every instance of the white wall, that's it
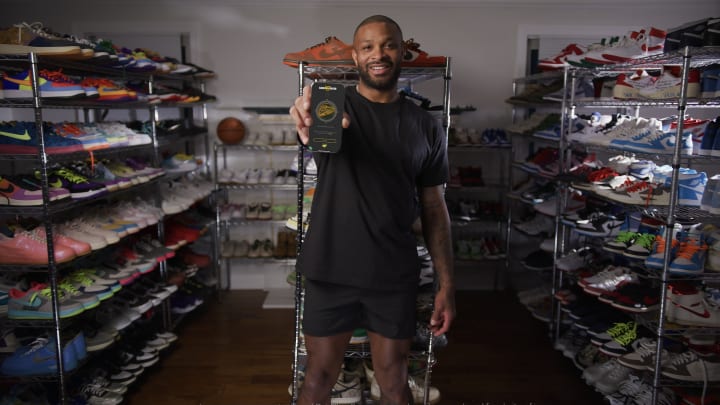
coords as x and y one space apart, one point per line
244 42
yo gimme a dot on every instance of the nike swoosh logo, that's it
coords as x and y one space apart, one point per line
19 137
705 314
42 359
25 81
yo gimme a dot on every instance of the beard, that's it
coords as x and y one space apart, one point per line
383 84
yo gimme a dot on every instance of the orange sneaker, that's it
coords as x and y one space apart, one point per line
331 52
415 57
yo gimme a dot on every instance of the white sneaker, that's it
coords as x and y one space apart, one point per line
266 176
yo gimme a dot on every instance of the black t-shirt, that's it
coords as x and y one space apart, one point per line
366 199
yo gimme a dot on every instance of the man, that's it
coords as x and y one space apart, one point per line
359 257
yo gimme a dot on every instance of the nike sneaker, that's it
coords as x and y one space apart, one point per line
89 141
646 42
14 192
18 137
416 57
331 52
559 61
78 185
51 84
21 40
668 85
27 248
107 90
628 86
38 358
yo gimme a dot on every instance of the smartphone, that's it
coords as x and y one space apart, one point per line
327 106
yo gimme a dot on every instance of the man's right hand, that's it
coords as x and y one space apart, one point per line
300 112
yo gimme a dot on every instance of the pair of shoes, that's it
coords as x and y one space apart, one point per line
335 52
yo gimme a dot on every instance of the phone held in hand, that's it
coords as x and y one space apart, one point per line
327 103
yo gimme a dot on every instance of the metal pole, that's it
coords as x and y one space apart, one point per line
670 222
52 266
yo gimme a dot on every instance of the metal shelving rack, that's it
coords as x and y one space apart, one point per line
348 75
48 210
688 58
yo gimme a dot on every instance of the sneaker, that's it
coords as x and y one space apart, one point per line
689 367
621 242
22 39
603 226
38 358
52 84
22 138
628 86
415 57
641 246
691 187
610 381
30 248
18 194
330 52
690 258
416 387
643 358
79 186
559 61
36 303
668 85
647 42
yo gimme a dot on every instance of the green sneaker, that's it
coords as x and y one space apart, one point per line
622 241
641 247
359 336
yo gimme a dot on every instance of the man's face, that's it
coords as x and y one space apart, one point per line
378 51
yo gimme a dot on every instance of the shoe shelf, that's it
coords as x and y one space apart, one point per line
655 156
669 103
82 67
699 57
243 222
349 74
81 103
260 148
67 204
48 213
232 186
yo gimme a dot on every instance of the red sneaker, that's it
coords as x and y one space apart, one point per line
415 57
331 52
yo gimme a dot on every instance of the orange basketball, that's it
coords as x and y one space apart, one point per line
231 130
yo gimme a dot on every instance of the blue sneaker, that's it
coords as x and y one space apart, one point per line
710 81
78 345
716 144
663 143
38 358
691 187
53 84
711 130
21 138
690 258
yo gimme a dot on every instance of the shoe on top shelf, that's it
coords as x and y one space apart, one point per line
330 52
21 39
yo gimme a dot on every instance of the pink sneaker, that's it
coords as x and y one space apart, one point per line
26 248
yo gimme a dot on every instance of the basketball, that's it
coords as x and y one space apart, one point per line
231 130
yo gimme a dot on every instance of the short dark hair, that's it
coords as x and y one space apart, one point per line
378 18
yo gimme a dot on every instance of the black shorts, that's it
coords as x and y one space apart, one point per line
331 309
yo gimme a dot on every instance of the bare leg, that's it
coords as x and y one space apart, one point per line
389 358
325 358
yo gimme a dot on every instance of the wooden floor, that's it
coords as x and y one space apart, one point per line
234 352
